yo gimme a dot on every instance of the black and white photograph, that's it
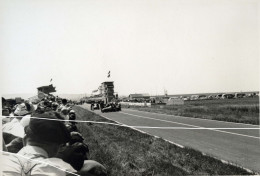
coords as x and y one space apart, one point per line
129 87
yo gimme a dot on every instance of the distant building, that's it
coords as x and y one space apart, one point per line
139 97
46 89
159 99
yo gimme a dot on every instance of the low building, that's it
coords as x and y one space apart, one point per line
160 99
139 97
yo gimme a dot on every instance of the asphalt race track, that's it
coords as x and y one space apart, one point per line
233 142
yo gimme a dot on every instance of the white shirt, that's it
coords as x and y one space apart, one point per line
33 160
14 127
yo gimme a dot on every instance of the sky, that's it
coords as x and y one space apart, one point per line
182 46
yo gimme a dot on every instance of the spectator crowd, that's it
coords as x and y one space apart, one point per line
43 139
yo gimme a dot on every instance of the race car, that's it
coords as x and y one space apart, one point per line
111 107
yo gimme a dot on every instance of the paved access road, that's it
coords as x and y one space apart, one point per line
233 142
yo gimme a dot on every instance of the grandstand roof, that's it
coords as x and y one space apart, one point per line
47 89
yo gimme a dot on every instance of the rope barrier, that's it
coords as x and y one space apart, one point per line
143 127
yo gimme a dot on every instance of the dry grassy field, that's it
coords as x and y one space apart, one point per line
127 152
242 110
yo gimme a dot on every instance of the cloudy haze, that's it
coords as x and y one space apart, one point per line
148 45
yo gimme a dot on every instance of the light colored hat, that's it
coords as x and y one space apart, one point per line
72 112
64 111
21 110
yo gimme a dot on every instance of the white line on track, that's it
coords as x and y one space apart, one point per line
193 118
202 128
147 127
134 128
121 124
191 125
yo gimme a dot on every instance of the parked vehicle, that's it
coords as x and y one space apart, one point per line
202 97
239 95
227 96
186 98
250 95
218 96
210 97
194 97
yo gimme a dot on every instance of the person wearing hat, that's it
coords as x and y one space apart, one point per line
42 140
23 109
54 106
65 114
63 104
72 117
14 127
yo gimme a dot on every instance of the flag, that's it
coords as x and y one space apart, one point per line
108 75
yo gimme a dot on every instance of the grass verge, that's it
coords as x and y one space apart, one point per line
245 110
124 151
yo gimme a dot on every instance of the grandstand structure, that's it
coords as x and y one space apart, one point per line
46 89
105 93
43 91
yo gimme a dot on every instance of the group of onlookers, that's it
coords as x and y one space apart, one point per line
43 139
